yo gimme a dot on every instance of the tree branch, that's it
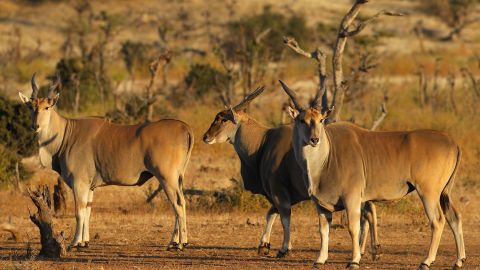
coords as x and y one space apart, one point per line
361 25
383 114
343 34
320 57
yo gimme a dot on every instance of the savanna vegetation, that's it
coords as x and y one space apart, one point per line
136 61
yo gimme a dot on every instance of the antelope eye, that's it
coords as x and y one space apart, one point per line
46 108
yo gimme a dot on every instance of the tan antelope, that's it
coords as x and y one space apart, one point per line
92 152
347 165
268 167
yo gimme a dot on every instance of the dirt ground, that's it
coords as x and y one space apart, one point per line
130 234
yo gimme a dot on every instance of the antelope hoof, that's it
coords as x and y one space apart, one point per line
72 246
376 253
423 266
283 254
317 264
175 247
83 245
353 266
263 249
458 267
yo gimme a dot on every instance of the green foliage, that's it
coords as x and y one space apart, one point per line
203 78
246 30
15 131
7 165
135 55
16 138
71 70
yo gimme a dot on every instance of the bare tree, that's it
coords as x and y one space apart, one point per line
52 244
423 85
348 28
150 93
451 85
382 115
320 57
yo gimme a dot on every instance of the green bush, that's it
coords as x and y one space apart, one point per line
247 29
69 70
203 78
17 140
15 128
136 55
7 166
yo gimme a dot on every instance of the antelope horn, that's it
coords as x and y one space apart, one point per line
34 87
244 103
54 87
317 100
292 95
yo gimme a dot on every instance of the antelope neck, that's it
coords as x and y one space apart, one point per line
312 159
249 138
51 138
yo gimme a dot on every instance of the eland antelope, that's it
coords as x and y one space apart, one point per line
92 152
347 165
268 167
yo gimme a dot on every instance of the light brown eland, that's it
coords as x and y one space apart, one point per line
92 152
347 165
268 167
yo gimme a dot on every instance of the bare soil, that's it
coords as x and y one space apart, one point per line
129 234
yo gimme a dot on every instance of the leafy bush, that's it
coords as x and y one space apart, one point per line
16 138
246 30
7 166
203 78
72 69
15 131
136 55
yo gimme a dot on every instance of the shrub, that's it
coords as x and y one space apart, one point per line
136 55
203 78
246 30
15 132
16 139
72 69
7 166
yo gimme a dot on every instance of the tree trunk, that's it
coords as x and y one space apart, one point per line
52 246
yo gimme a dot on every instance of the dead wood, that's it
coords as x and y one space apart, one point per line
52 243
348 28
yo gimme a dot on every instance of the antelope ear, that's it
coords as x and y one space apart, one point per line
326 116
53 101
292 112
232 115
24 98
328 112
